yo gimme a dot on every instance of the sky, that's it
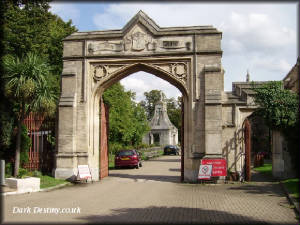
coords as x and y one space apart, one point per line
259 37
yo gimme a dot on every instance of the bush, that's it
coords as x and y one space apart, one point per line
22 173
141 145
34 173
114 147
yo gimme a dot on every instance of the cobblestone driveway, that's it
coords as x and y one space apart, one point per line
153 194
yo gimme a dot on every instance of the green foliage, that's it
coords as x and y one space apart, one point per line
32 28
6 131
114 147
51 139
127 120
140 124
111 161
27 87
141 145
48 181
152 98
26 84
22 173
279 107
34 173
293 186
8 169
28 26
266 168
174 113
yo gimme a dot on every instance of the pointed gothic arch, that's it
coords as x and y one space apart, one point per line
187 57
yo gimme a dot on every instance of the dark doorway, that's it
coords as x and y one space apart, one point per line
156 138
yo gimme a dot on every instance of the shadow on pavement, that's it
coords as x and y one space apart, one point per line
162 178
261 177
272 189
178 215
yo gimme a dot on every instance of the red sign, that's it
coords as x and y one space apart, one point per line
218 166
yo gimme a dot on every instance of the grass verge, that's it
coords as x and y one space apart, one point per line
265 169
292 185
48 181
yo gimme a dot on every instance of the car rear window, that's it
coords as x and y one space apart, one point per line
126 153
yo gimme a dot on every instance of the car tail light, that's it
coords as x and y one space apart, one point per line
134 156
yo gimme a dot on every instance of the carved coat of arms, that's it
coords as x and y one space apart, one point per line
138 41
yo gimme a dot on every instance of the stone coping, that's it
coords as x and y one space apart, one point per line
40 190
291 199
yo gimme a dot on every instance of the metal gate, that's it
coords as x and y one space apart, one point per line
41 131
247 139
182 141
104 125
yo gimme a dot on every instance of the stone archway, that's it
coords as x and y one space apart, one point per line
187 57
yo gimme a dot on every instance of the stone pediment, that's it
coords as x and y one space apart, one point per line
141 19
140 36
141 22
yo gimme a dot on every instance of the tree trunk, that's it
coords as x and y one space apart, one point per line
18 143
18 148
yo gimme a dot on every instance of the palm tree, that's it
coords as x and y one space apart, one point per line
26 84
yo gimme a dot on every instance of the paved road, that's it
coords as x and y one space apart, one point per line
153 194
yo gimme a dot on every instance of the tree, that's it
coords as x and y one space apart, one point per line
152 98
127 120
28 26
141 126
26 85
279 107
174 113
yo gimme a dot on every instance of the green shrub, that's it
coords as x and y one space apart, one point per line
114 147
142 145
22 173
37 173
34 173
129 147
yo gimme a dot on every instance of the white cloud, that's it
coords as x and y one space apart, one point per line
256 33
261 37
116 16
272 64
66 11
141 82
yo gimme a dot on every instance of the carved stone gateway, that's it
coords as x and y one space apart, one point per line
187 57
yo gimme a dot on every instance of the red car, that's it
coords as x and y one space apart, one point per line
128 158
